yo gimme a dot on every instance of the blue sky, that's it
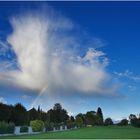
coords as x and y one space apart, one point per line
81 54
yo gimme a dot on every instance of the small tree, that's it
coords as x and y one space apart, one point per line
108 121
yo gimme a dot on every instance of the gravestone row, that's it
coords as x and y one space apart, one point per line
30 131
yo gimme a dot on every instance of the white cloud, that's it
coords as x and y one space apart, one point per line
25 97
2 100
48 61
128 74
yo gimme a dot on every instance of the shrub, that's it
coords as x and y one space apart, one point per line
88 125
23 129
6 128
37 125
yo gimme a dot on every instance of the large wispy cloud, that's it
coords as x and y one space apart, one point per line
50 59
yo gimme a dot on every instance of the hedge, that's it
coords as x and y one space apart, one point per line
7 128
49 126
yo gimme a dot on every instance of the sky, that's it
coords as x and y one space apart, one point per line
83 55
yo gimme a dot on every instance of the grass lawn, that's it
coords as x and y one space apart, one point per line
114 132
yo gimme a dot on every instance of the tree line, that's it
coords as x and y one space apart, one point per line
20 116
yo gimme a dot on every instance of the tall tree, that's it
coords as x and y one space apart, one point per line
100 115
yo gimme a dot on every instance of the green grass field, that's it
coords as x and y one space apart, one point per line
112 132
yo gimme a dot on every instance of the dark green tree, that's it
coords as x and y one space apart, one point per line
90 118
108 121
5 112
19 115
43 116
57 106
83 116
123 122
133 119
79 121
57 114
33 114
100 115
72 119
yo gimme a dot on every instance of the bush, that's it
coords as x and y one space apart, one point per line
23 129
37 125
6 128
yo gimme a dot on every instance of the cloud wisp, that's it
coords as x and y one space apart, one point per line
2 100
48 60
128 74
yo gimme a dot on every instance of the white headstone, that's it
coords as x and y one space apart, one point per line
17 130
65 127
44 129
61 128
30 130
54 129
